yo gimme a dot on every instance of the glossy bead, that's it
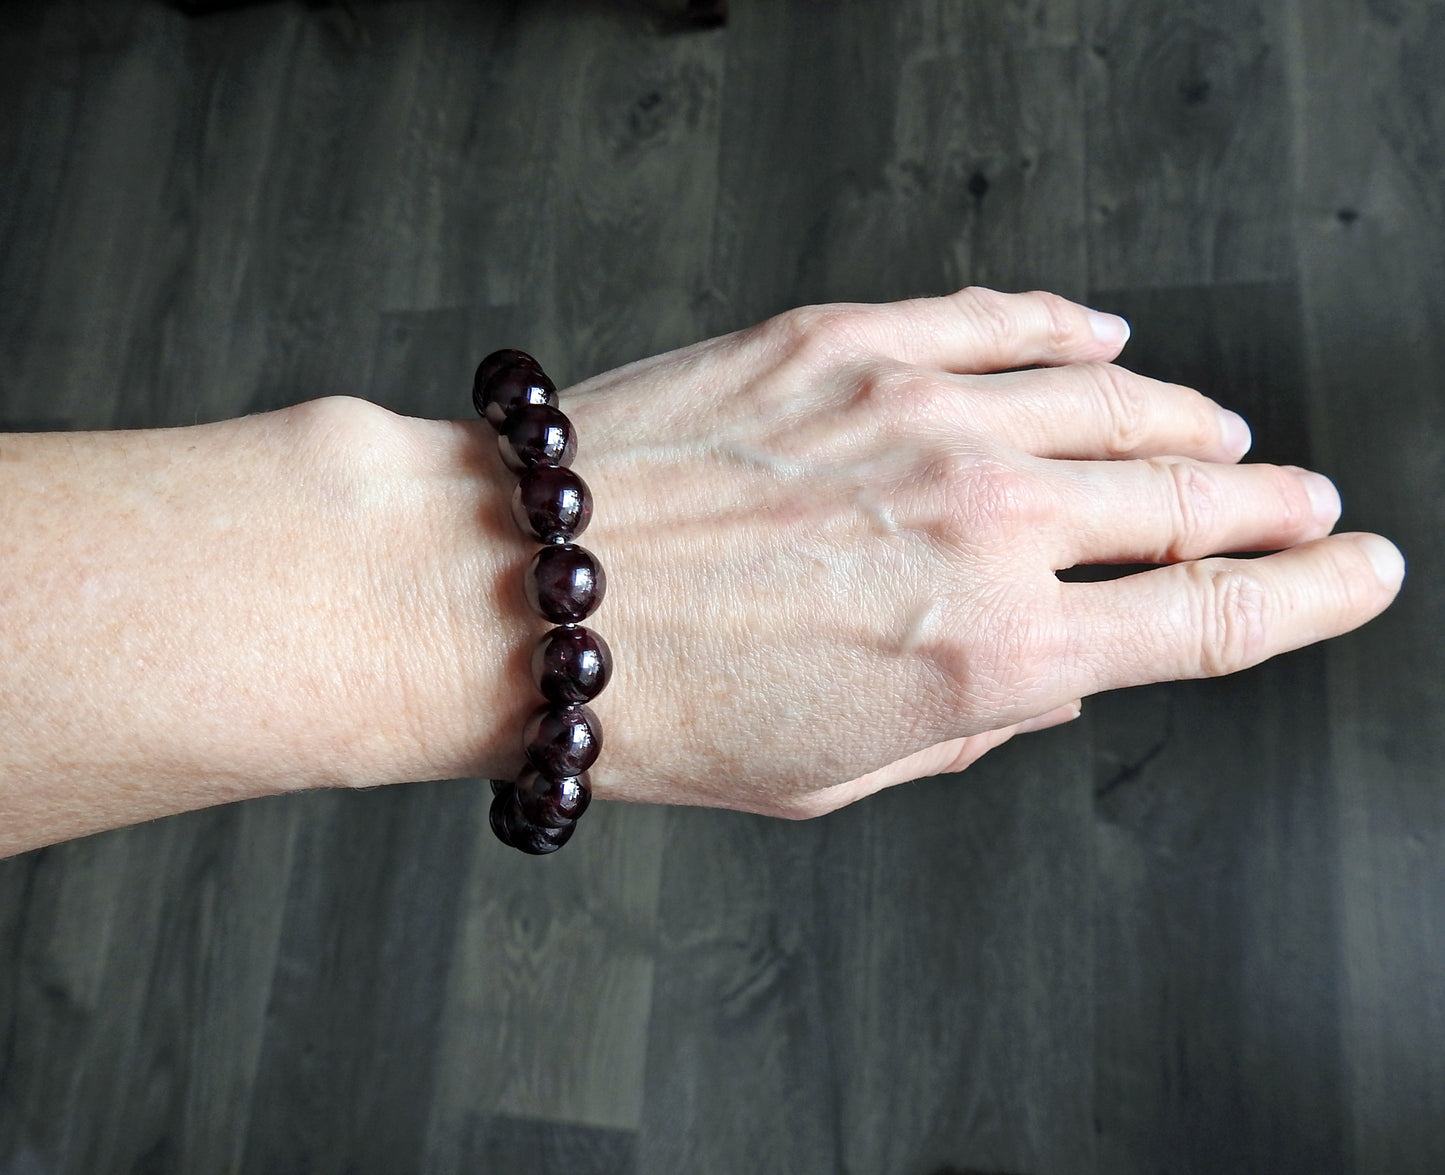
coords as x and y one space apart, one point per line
552 504
516 831
571 664
564 583
497 360
552 803
537 434
505 382
562 740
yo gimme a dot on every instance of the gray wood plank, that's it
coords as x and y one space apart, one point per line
1371 111
525 1146
1188 142
344 1080
877 151
141 971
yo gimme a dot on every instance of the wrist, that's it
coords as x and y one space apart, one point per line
445 616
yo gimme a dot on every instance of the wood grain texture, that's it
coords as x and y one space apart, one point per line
1371 151
961 161
1188 142
140 963
1196 931
527 1146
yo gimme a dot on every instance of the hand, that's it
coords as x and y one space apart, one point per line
831 543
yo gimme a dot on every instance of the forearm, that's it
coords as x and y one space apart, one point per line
833 542
198 615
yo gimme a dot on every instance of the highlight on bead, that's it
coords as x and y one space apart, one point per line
506 381
552 504
538 812
564 583
571 664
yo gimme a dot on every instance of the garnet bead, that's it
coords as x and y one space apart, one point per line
537 434
571 664
552 803
514 829
552 504
564 583
562 741
509 380
497 360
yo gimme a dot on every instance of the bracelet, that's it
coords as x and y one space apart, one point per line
537 813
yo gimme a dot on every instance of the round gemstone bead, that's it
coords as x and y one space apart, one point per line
507 381
571 664
514 829
537 434
552 504
564 583
562 741
497 360
552 803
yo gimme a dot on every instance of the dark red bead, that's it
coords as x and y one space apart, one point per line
508 380
571 664
564 583
552 803
515 830
562 740
552 504
537 434
506 357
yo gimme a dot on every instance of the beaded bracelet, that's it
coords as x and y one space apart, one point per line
537 813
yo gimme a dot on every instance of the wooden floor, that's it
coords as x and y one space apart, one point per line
1202 930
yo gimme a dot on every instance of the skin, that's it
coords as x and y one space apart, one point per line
831 543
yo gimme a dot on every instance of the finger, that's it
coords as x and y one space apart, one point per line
1100 412
1219 616
941 759
976 330
1168 510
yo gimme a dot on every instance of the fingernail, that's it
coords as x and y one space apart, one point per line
1384 557
1323 496
1237 437
1109 328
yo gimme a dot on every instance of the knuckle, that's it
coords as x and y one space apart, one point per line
823 334
984 495
1351 582
992 315
898 393
1063 317
1025 643
1203 430
1234 607
1196 504
1126 408
1297 512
